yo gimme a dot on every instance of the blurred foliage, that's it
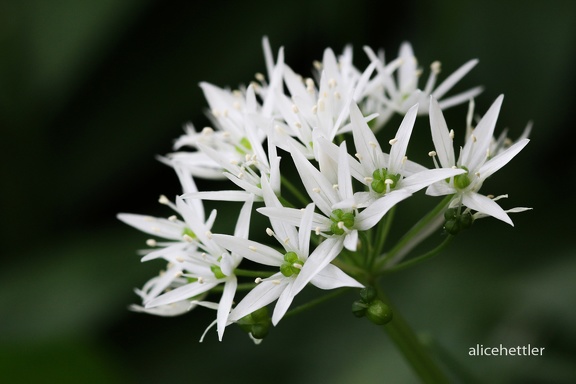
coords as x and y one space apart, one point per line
91 91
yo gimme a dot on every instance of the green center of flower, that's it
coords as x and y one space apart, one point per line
341 219
381 178
462 181
292 264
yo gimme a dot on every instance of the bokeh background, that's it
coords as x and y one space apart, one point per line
92 91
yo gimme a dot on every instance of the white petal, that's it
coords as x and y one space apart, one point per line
283 304
485 205
398 150
153 226
182 293
327 251
251 250
451 80
243 223
365 142
331 277
501 159
225 305
370 216
440 136
351 240
263 294
420 180
474 151
305 230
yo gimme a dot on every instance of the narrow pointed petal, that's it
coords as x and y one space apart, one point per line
455 77
305 230
153 226
182 293
500 160
251 250
351 241
344 178
370 216
365 142
485 205
282 305
322 256
263 294
460 98
398 150
441 136
475 151
420 180
243 223
331 277
225 305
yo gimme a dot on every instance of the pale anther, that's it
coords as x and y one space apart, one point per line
372 144
435 67
473 138
451 134
173 218
276 282
298 266
208 235
317 190
259 76
269 232
163 200
252 248
432 153
151 242
335 186
368 179
258 280
393 141
187 238
295 108
180 259
341 224
389 181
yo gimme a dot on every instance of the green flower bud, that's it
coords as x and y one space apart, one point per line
257 323
368 294
379 313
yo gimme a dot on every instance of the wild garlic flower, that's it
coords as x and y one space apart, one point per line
475 158
297 266
400 93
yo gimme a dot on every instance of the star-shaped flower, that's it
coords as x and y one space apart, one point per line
475 158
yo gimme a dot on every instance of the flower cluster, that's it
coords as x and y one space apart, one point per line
330 216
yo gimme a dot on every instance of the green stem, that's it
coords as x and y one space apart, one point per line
419 228
423 257
382 232
315 302
247 273
411 348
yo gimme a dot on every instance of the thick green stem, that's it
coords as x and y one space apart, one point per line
411 348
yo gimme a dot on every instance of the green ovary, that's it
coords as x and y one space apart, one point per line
462 181
379 177
338 216
292 264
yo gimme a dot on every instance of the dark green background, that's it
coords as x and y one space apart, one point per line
91 91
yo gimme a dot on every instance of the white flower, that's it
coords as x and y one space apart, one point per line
403 92
209 268
383 173
475 158
297 267
330 188
312 112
